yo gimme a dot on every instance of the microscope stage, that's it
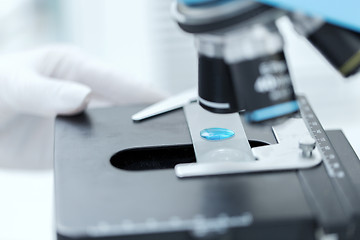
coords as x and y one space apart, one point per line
115 179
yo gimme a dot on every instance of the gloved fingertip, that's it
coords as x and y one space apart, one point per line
77 109
73 99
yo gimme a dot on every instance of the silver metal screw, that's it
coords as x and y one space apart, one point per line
307 145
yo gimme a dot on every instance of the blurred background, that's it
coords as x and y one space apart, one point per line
140 39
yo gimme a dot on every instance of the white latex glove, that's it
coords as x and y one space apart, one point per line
60 80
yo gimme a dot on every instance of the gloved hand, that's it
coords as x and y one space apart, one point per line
61 80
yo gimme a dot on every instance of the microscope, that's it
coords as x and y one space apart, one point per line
242 65
243 158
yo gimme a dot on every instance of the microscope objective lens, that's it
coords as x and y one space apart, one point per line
216 134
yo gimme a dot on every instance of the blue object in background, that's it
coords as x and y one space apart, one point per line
201 3
345 13
271 112
195 2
